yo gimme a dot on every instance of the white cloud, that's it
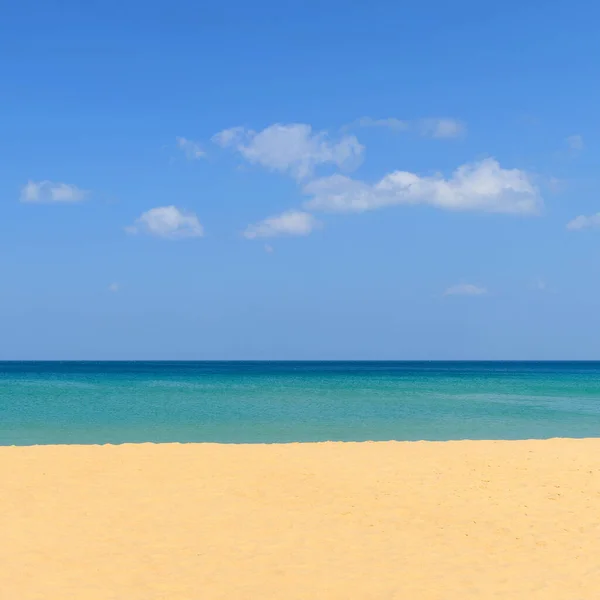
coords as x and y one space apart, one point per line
113 287
584 222
575 143
293 148
292 222
191 149
168 222
47 192
441 128
465 289
268 248
482 186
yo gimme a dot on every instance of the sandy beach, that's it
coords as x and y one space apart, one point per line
301 521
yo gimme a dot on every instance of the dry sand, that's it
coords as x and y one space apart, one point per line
414 521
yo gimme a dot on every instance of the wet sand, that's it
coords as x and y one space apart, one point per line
327 521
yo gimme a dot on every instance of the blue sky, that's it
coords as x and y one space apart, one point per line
315 180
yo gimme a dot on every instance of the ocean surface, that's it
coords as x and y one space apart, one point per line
116 402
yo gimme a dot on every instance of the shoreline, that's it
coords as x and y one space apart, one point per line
328 520
319 443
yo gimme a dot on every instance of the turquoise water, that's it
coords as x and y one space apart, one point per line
115 402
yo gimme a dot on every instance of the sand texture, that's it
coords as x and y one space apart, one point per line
390 520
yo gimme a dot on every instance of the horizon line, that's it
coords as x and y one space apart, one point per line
303 360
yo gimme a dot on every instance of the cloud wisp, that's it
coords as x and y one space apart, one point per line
167 222
389 123
192 150
465 289
575 143
51 192
441 128
291 223
294 149
431 127
584 222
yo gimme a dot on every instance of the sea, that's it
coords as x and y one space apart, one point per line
269 402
